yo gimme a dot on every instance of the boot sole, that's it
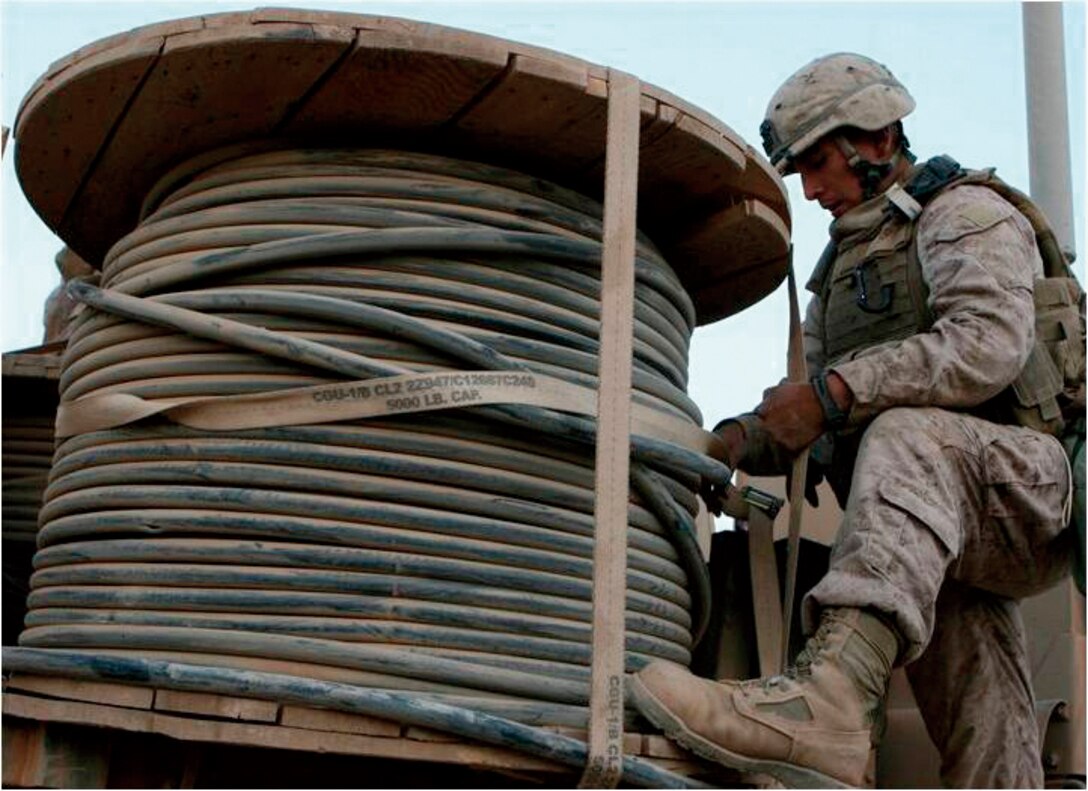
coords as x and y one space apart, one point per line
790 775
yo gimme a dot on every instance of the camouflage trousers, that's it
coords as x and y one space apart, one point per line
949 521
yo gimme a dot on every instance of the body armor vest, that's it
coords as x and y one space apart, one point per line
870 283
868 295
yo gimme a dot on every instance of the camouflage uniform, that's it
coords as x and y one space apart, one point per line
949 518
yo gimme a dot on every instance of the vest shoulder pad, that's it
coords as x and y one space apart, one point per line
961 211
942 172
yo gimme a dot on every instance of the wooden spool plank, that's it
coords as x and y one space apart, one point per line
691 162
114 46
65 121
93 86
419 734
441 75
539 111
337 721
748 231
722 298
762 182
757 177
213 705
124 39
270 736
657 119
654 746
190 102
286 14
40 363
122 695
750 228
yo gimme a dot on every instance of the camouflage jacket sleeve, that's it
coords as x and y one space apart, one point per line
979 260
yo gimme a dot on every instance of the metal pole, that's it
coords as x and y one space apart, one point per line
1048 117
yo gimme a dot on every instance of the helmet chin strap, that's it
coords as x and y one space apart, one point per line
870 174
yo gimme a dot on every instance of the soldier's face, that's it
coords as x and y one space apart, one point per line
828 179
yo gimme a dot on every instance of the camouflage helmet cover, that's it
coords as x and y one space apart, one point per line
833 91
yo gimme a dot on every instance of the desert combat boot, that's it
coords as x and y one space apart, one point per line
808 728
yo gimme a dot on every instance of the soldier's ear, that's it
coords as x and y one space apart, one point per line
887 140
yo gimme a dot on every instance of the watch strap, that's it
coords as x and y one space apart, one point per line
836 418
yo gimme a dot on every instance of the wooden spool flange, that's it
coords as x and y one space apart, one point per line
104 123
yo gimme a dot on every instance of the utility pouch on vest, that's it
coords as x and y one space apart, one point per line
1074 448
1054 372
1035 393
1059 326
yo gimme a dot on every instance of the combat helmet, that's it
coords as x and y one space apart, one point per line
831 92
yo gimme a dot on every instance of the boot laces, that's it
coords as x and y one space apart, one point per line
803 662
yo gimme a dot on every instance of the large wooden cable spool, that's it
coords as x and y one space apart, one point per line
100 128
207 169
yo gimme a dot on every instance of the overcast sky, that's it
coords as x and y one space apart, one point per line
963 62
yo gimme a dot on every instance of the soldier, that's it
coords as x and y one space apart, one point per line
920 323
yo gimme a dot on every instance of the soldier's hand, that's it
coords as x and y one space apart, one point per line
727 447
732 444
791 414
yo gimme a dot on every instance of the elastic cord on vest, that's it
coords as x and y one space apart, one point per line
447 553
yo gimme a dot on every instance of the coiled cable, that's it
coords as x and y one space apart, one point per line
447 552
27 455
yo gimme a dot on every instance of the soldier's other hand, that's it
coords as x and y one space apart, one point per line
727 447
791 414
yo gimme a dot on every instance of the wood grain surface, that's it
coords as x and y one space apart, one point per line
96 132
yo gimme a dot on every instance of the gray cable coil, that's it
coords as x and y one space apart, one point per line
27 455
448 552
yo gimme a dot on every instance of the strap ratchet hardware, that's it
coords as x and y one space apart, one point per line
764 501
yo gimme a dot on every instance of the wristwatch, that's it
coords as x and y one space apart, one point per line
835 417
